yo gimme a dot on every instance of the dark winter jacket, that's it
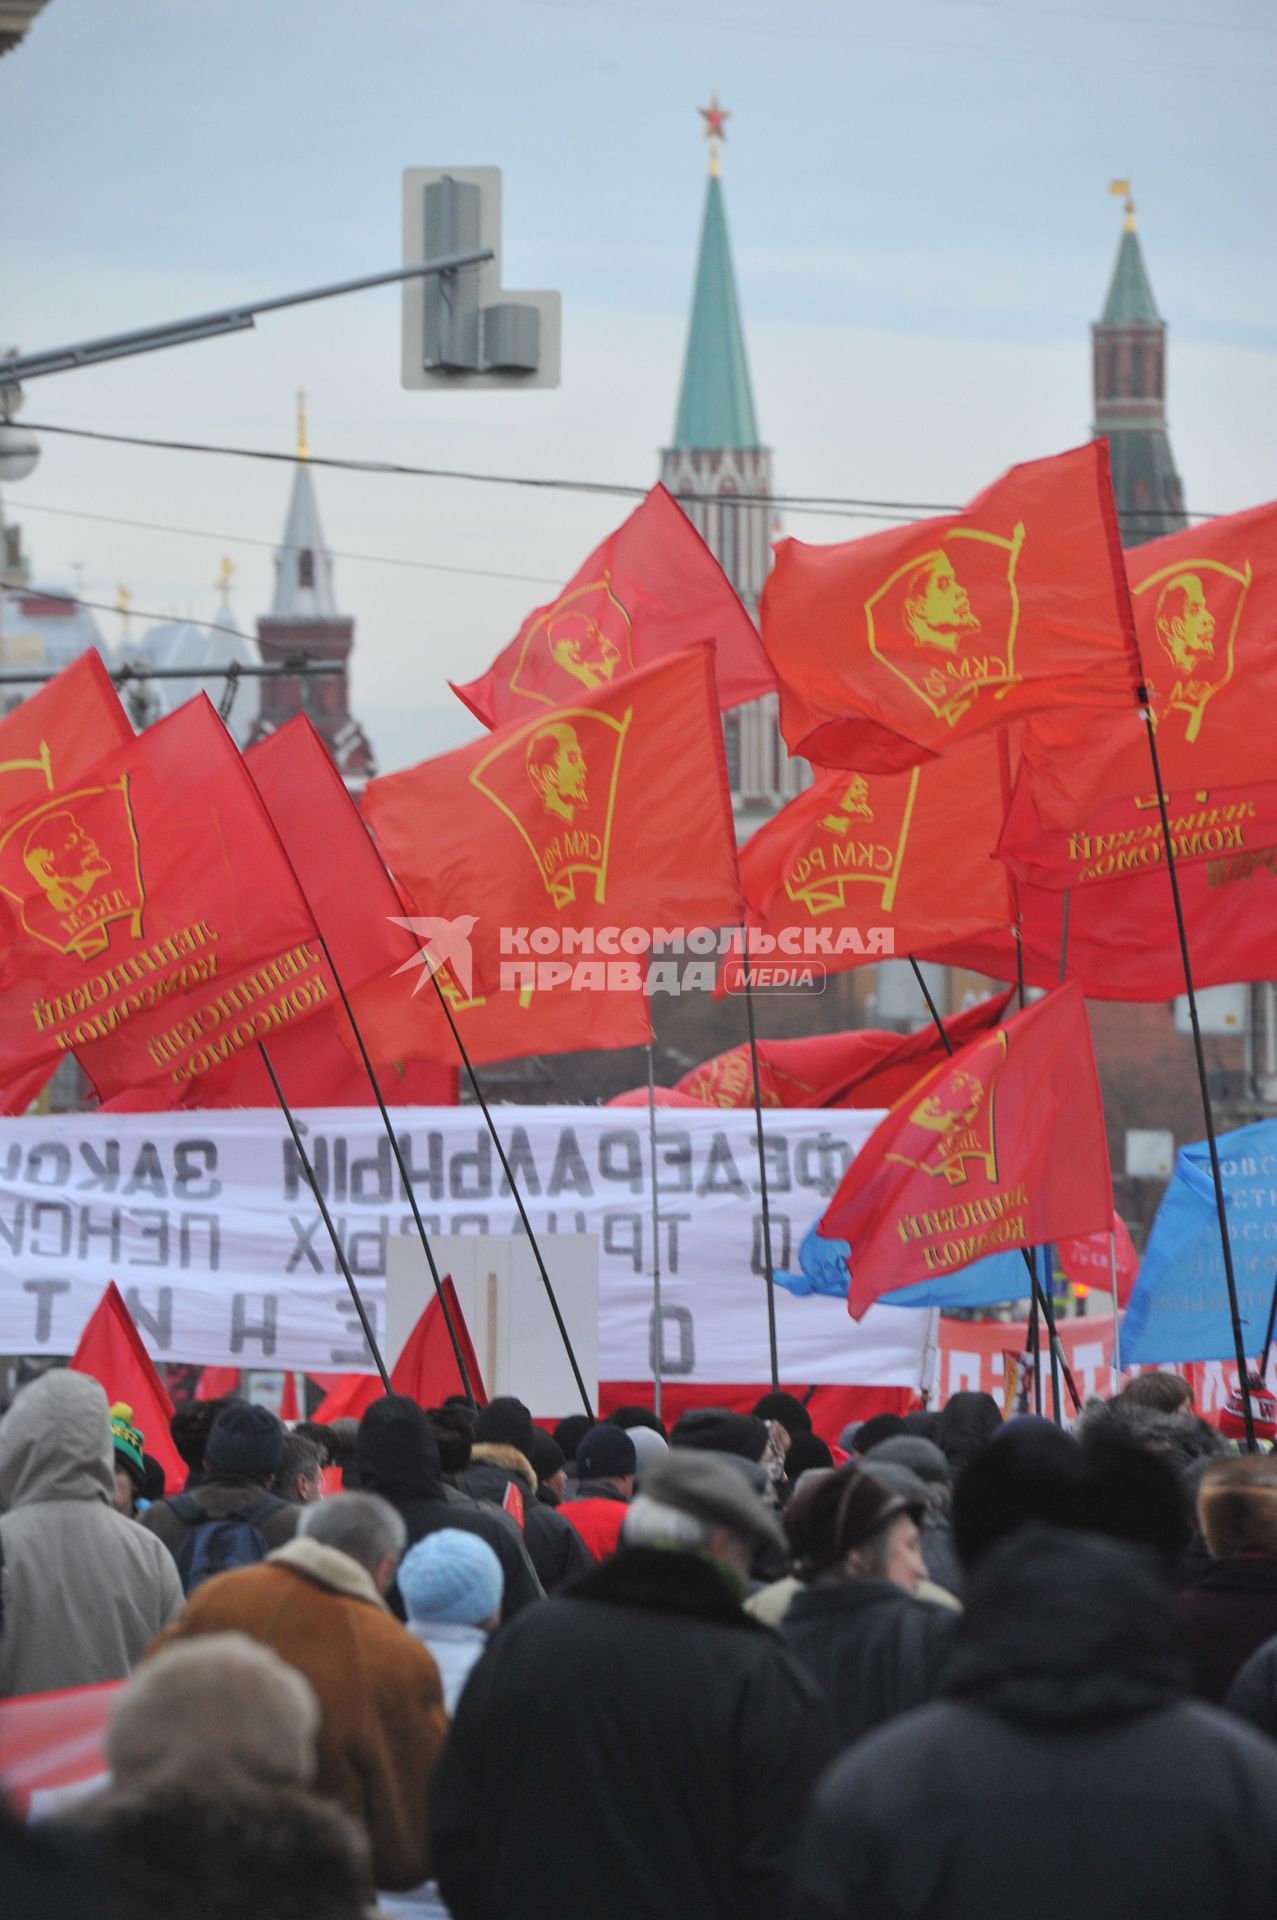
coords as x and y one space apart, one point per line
1253 1694
555 1549
1229 1613
872 1649
225 1497
1063 1772
686 1739
397 1456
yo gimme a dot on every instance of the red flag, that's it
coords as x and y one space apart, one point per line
892 648
149 919
608 817
426 1370
1002 1146
865 1067
1120 942
1205 604
217 1381
1088 1261
652 587
111 1351
865 865
664 1097
72 722
288 1404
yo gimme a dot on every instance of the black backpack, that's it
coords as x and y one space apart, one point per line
217 1546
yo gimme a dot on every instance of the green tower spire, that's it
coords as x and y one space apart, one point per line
716 401
1130 301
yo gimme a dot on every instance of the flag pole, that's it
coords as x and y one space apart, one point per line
1268 1337
762 1165
1038 1296
1230 1278
395 1148
658 1349
1117 1335
508 1171
322 1204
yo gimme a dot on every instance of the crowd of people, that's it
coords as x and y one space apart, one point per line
446 1662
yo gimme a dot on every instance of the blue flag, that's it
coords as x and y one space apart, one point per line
823 1270
1179 1307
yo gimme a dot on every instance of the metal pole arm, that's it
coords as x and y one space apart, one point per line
207 326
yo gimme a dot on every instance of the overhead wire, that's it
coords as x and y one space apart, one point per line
833 506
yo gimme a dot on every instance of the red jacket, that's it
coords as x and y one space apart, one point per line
598 1518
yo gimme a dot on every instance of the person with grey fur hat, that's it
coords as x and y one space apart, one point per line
871 1646
691 1737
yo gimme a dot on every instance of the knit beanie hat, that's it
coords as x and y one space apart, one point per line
648 1446
788 1409
246 1441
605 1453
128 1442
807 1451
922 1457
569 1431
546 1457
452 1577
505 1422
719 1431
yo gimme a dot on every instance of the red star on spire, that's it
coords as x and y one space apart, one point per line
715 118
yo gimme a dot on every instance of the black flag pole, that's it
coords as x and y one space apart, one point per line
658 1343
1230 1278
508 1171
327 1218
1268 1336
395 1148
762 1164
1040 1296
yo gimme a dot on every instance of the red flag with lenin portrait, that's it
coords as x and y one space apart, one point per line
601 821
861 866
651 587
1001 1146
71 722
893 648
149 921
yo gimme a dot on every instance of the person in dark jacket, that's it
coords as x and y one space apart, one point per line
241 1458
1063 1770
397 1456
871 1647
1233 1609
689 1736
967 1423
925 1458
501 1472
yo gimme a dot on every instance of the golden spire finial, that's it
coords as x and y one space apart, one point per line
303 444
225 574
715 118
122 599
1121 189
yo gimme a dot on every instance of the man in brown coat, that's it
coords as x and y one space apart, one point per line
317 1602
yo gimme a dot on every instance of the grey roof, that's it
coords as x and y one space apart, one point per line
180 643
303 535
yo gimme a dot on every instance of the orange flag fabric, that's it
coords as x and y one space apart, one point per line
74 720
1001 1146
589 824
148 918
650 588
111 1350
863 865
895 647
865 1067
1205 603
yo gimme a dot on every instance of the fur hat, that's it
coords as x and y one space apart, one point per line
718 1430
833 1512
246 1442
505 1422
714 1491
451 1576
605 1453
1237 1506
216 1713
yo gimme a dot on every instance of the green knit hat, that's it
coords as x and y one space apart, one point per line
128 1441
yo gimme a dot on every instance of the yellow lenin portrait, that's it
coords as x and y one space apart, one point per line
555 781
1188 617
583 640
945 622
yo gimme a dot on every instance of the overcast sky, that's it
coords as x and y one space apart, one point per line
916 196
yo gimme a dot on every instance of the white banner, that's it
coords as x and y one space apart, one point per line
207 1225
